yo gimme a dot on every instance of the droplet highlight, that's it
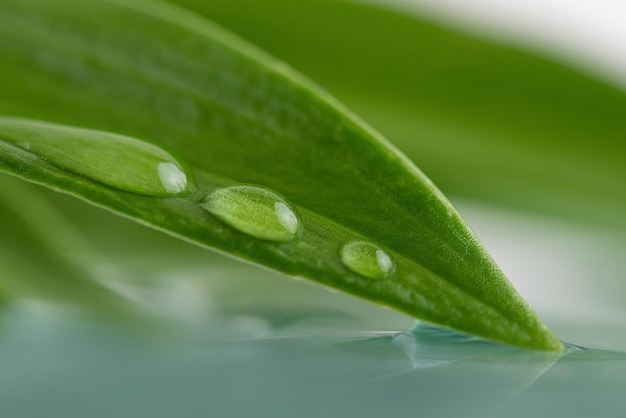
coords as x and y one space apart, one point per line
173 179
117 161
366 259
255 211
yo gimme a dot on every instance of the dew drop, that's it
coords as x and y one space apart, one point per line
366 259
117 161
255 211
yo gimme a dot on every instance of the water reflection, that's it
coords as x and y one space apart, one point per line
427 345
451 374
578 353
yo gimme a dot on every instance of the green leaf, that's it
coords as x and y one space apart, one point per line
237 117
484 120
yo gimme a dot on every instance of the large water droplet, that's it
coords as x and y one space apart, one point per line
255 211
366 259
118 161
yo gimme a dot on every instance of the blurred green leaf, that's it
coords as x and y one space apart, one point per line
43 256
483 120
235 115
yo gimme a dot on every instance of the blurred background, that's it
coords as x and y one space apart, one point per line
516 110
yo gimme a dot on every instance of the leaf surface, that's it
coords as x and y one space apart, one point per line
234 116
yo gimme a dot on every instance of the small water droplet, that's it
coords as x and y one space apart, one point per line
366 259
255 211
117 161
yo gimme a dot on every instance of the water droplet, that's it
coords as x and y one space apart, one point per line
366 259
118 161
255 211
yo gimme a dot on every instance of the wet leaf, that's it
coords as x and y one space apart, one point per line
238 117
